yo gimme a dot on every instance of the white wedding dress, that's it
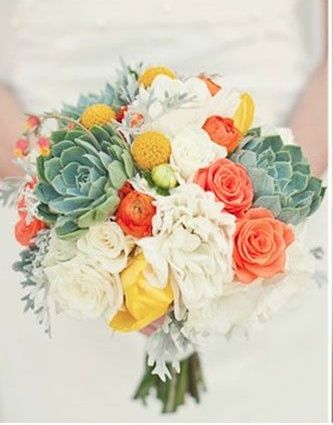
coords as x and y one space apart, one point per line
53 50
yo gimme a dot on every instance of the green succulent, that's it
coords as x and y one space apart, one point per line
280 176
79 180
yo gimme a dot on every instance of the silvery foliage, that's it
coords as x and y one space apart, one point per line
167 345
142 105
9 189
319 276
36 284
126 86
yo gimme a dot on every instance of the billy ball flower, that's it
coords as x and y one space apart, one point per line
150 149
135 213
147 77
97 114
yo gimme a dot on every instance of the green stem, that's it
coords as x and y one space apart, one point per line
173 393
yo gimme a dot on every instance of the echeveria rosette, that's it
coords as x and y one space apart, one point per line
281 177
79 180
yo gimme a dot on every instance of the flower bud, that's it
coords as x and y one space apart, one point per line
163 176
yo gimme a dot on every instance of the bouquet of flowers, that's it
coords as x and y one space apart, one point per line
158 206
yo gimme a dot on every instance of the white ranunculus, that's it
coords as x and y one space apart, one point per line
171 121
191 245
192 149
106 244
83 289
59 250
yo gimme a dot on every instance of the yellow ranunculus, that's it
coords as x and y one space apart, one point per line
143 302
243 117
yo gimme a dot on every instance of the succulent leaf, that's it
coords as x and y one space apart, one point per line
280 176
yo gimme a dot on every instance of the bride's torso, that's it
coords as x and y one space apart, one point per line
60 48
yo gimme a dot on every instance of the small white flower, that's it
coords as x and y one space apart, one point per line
192 149
106 244
83 289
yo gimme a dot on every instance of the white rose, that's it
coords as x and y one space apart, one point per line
59 250
83 289
106 244
192 149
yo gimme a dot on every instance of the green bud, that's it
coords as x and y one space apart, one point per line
163 176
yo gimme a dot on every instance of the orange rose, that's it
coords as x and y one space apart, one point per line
134 214
26 231
223 132
229 182
125 190
260 244
211 86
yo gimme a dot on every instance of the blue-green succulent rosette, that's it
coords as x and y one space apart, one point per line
80 178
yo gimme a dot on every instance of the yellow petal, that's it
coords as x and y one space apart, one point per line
243 117
143 302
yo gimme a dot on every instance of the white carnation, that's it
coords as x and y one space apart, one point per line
83 289
106 244
193 149
193 241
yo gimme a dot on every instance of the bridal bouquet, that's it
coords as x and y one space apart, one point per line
159 207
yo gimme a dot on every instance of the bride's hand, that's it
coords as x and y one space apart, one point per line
11 125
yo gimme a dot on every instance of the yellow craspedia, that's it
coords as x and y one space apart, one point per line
148 76
150 149
143 303
243 117
97 114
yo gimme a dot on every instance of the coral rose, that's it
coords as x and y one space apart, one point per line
223 132
134 214
260 244
230 183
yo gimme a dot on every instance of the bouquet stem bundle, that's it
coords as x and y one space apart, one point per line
173 393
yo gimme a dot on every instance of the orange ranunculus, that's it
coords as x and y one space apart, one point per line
121 113
230 183
211 86
260 244
26 231
223 132
134 214
125 190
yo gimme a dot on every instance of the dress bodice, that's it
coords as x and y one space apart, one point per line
60 48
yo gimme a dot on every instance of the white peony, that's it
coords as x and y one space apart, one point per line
243 309
192 149
106 244
59 250
191 244
168 113
83 289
